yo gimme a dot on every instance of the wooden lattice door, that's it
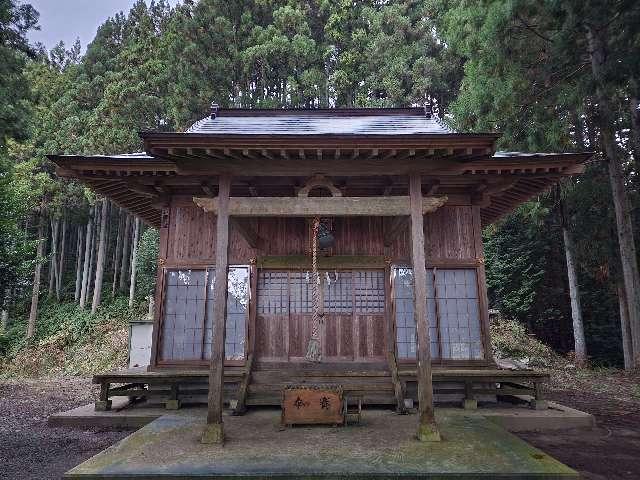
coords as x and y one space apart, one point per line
354 320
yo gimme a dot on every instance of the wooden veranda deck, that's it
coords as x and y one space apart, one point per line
370 383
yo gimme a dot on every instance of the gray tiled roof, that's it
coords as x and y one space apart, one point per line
320 123
501 154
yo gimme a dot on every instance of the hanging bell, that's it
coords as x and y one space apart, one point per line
325 238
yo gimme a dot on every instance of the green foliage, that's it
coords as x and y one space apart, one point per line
69 339
526 274
304 54
15 252
147 262
514 66
527 74
15 21
515 263
511 341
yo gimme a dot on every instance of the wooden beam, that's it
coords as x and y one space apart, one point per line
427 429
323 206
213 432
329 263
246 230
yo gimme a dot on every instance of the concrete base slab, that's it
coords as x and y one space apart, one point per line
172 405
469 404
539 404
383 446
555 417
122 416
510 417
102 405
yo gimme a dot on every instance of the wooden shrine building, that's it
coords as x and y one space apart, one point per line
401 201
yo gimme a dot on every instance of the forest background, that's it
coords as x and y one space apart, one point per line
551 75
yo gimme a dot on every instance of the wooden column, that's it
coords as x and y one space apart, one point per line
213 432
427 429
158 314
241 405
392 358
483 301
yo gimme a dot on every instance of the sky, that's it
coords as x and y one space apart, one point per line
67 20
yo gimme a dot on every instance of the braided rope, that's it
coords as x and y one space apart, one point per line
313 349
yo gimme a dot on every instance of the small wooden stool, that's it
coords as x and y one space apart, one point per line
353 414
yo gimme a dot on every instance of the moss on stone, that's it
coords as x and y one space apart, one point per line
428 432
213 434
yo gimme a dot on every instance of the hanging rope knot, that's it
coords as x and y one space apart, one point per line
313 350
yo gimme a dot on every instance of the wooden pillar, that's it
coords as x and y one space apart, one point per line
392 359
213 432
158 313
241 405
427 429
483 301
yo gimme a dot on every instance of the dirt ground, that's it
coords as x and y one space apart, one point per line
610 451
29 449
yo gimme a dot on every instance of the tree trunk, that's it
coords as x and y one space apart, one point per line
634 106
35 293
626 242
4 313
627 347
125 254
80 243
53 260
94 243
118 253
102 252
580 346
87 261
107 249
134 261
63 244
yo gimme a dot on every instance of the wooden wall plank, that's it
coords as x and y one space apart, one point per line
191 237
449 235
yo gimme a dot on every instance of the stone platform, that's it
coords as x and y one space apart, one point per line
512 417
381 447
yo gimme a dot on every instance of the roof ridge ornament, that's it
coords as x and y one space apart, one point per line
214 110
428 110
